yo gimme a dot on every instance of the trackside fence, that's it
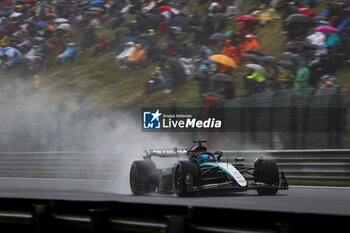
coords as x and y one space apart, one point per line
331 165
280 120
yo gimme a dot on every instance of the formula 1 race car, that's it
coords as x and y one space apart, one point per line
199 170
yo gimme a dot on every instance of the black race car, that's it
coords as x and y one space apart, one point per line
200 170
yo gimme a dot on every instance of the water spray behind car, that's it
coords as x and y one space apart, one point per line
34 121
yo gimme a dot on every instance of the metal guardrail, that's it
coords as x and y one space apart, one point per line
331 165
54 216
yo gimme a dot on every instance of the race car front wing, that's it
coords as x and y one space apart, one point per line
232 185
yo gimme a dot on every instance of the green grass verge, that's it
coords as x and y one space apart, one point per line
319 183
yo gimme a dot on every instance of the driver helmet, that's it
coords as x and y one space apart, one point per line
203 158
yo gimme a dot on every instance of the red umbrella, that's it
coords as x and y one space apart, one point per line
6 3
167 10
307 11
246 18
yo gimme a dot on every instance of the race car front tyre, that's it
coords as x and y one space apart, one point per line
186 176
266 171
144 177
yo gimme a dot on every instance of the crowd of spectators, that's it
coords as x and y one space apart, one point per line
182 42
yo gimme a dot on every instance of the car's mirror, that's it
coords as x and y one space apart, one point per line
239 159
219 155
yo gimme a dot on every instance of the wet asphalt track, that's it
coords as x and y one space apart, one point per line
298 199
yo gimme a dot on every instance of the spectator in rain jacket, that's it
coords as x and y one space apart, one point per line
101 47
230 51
254 82
125 54
138 56
302 78
250 43
90 37
332 40
156 82
5 41
71 53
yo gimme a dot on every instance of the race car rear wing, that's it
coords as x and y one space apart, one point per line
165 153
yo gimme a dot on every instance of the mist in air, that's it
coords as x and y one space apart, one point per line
98 143
34 122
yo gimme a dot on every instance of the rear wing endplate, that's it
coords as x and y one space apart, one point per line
165 153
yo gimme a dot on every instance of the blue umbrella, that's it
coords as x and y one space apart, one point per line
42 25
96 2
11 52
218 36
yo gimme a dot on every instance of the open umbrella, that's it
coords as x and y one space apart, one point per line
256 67
15 15
50 15
42 25
65 27
96 2
91 13
246 18
269 59
223 59
256 52
61 20
83 3
326 29
98 9
11 52
307 11
149 5
6 3
298 18
129 24
167 10
219 37
285 64
252 57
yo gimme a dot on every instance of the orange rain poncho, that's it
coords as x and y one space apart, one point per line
249 44
230 51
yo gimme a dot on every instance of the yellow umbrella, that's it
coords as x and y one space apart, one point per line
223 59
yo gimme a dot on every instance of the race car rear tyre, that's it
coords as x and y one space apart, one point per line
266 171
186 170
144 177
